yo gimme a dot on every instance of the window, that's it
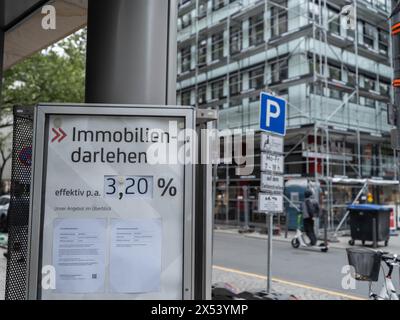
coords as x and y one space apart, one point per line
383 41
316 88
370 102
218 4
382 4
335 73
202 94
256 78
256 28
235 84
186 59
235 39
202 8
181 3
217 90
217 46
368 34
369 83
334 24
314 13
279 70
279 19
202 52
186 20
185 98
335 94
384 89
351 79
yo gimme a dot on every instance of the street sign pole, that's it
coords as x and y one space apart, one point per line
273 125
269 219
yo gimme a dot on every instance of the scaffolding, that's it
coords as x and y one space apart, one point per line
337 81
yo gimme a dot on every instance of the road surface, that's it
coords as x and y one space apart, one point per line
313 269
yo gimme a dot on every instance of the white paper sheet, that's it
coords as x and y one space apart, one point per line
79 255
135 256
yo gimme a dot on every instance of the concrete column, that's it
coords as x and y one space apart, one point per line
2 12
131 52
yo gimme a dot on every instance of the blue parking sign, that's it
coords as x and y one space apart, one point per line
273 114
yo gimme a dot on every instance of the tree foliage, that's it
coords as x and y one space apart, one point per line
56 74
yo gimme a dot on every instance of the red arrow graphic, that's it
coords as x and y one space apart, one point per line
59 135
63 135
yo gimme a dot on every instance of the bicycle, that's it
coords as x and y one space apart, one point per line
367 265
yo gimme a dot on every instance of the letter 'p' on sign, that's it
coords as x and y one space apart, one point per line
273 114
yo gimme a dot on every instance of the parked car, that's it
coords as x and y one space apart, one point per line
4 205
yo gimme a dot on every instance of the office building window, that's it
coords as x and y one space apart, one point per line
279 19
235 84
256 29
235 39
203 4
317 89
383 41
384 89
218 4
334 18
335 73
368 34
217 46
335 94
351 79
186 59
202 52
185 98
202 94
217 89
369 83
370 102
186 20
279 70
256 78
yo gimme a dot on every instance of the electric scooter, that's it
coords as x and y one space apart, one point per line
299 240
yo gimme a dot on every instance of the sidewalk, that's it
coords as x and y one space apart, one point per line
343 241
243 281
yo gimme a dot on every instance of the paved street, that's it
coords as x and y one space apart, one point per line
310 269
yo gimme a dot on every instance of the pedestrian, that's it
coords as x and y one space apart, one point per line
310 211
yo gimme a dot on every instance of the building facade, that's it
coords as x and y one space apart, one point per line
331 60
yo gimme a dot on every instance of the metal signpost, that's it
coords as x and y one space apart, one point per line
273 125
107 222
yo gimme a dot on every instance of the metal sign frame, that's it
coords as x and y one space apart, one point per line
38 187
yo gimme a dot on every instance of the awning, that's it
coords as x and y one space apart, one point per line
24 33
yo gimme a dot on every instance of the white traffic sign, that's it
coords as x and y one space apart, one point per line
273 114
272 162
271 143
270 203
271 183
